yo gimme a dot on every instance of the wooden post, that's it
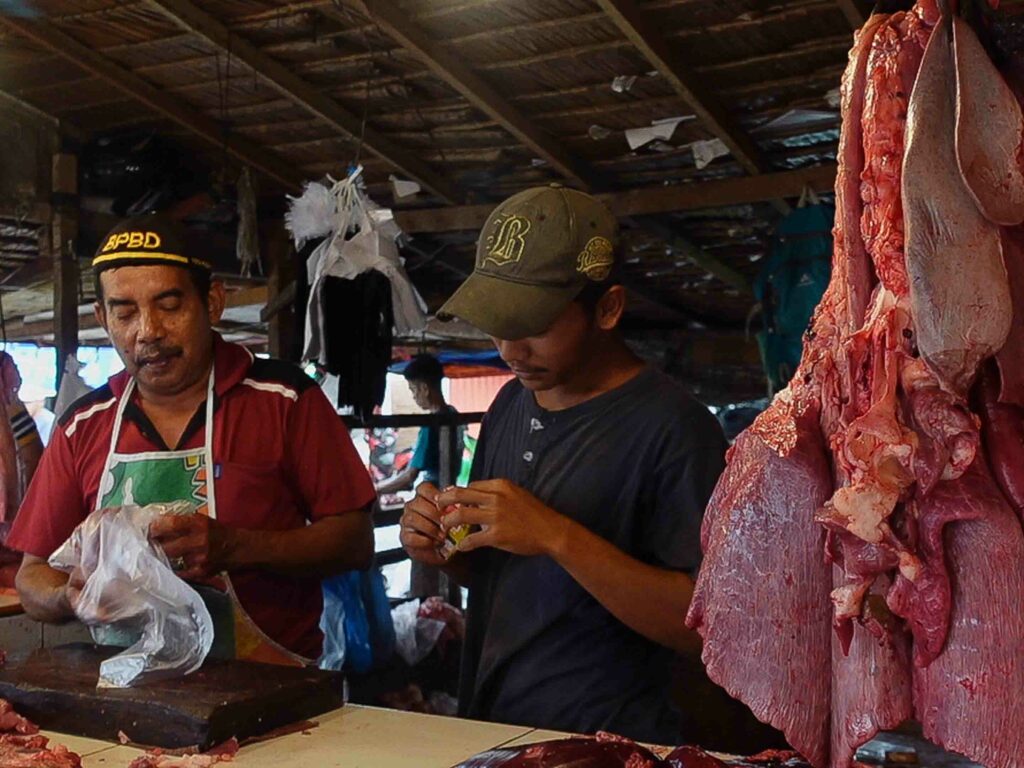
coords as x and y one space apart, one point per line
64 240
281 325
449 475
445 446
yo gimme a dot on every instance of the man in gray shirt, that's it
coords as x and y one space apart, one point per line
588 488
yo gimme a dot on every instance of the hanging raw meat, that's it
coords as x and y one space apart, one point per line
609 751
989 131
958 285
864 557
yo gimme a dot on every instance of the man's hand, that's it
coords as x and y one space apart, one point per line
421 526
511 519
197 546
73 589
104 608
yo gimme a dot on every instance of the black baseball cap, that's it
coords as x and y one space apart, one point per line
146 240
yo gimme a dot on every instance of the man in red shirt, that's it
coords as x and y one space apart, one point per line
281 495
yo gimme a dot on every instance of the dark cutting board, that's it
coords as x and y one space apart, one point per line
56 688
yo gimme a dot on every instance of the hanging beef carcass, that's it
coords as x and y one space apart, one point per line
878 499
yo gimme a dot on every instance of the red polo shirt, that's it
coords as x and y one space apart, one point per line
282 458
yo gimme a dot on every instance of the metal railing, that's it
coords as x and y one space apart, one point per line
426 581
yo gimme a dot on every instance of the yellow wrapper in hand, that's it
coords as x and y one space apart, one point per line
454 535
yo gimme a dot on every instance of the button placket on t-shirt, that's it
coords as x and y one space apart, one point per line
534 445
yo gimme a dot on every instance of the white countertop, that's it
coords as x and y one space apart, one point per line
351 737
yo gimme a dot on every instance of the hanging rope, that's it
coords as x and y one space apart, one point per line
358 150
223 87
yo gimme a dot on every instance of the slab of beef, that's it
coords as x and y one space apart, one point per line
760 521
864 556
969 699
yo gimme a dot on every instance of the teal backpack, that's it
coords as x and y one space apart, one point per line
790 285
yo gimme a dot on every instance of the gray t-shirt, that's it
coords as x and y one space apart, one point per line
636 466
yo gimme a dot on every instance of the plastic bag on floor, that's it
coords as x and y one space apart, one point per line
128 585
415 636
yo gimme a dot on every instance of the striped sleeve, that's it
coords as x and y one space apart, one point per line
22 424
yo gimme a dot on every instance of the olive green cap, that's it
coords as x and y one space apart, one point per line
536 253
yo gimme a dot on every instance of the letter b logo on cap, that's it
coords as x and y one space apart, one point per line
507 241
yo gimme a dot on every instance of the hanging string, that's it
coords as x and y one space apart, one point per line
357 154
406 90
223 86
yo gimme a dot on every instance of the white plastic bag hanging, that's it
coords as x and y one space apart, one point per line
128 584
360 236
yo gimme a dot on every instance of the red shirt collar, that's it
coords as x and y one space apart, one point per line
231 363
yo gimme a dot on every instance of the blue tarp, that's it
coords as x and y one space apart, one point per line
489 358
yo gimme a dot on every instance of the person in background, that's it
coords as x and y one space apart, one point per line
20 450
26 434
587 494
424 374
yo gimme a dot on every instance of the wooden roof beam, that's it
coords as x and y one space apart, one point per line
39 115
42 325
647 200
663 229
454 71
306 95
260 158
641 31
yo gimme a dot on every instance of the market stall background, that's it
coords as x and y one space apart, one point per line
714 117
702 123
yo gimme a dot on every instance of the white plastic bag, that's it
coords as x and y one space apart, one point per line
129 585
415 636
359 236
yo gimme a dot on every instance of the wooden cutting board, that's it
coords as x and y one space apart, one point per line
56 688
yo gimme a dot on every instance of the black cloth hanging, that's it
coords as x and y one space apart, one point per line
358 318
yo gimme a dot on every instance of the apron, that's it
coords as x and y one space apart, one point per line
163 476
